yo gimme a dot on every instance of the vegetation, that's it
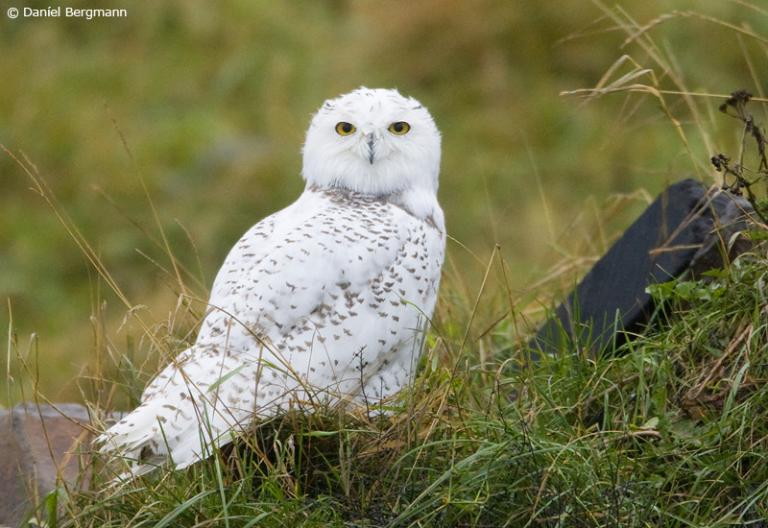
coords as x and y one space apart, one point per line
670 432
152 142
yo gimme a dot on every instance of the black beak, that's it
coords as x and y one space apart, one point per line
370 149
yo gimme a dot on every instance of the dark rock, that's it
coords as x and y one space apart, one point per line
684 226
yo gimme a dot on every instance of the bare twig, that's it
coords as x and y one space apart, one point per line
736 107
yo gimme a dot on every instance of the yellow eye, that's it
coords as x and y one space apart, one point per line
344 129
400 128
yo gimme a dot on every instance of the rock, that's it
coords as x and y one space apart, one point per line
733 215
684 227
39 445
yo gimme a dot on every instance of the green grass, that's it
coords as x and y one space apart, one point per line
192 143
668 431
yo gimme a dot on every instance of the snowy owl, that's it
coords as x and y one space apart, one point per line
326 300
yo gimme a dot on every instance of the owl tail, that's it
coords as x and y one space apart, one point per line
156 434
133 432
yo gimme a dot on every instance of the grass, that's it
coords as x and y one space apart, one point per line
667 431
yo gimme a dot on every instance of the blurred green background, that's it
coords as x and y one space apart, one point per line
213 101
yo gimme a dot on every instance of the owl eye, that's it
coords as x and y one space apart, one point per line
400 128
344 129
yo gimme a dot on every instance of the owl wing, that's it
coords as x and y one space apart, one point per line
292 264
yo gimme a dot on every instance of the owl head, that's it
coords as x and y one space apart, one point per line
373 141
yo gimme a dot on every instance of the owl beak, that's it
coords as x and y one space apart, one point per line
371 150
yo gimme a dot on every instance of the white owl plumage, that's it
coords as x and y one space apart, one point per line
325 300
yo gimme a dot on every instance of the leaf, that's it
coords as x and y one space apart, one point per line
215 385
652 423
